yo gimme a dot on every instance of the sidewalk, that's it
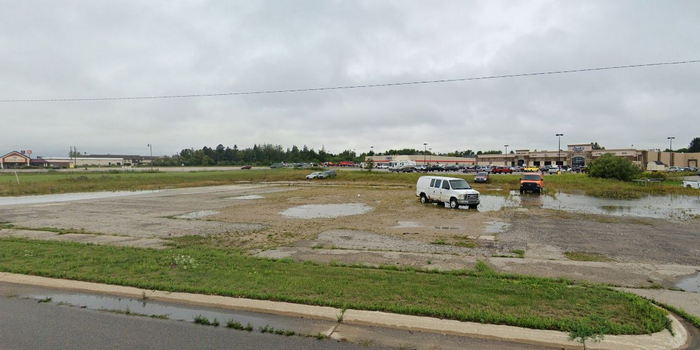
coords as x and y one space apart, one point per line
660 340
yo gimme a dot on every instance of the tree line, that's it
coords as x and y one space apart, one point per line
266 154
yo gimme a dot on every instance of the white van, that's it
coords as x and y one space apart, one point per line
441 189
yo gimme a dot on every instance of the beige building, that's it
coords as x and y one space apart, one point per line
422 159
577 155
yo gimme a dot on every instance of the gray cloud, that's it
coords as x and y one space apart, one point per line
130 48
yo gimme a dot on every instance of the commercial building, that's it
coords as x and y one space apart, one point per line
422 159
14 159
577 155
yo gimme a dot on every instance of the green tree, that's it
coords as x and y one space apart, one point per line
611 167
694 145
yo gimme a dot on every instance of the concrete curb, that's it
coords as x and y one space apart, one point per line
660 340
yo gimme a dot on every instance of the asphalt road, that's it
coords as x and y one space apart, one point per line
26 324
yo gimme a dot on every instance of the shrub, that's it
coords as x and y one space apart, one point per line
611 167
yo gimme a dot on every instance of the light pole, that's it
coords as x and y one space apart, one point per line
425 151
505 157
559 151
431 155
670 142
150 147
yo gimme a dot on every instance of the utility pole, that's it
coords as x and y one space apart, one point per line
425 151
505 157
670 148
559 146
150 147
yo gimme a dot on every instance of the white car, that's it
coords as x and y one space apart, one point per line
441 189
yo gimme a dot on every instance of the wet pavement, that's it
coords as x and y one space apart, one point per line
313 211
690 284
67 197
661 207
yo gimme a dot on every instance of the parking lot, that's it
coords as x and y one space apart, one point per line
380 225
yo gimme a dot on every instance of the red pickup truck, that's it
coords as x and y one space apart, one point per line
501 170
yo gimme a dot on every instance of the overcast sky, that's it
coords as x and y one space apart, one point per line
75 49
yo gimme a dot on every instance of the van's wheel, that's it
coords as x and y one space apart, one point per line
453 203
423 198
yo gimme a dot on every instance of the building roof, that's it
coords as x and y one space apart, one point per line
15 153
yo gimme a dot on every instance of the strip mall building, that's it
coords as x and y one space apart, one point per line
581 154
574 155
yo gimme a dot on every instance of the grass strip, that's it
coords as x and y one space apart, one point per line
480 295
60 182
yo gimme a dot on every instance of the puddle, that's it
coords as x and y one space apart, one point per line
407 224
312 211
662 207
66 197
690 284
496 227
248 197
176 312
197 214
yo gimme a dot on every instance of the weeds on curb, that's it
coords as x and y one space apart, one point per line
237 325
269 329
199 319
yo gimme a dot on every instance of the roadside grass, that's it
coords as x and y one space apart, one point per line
480 295
48 183
60 231
583 256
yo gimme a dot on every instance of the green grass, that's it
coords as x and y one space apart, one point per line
59 182
583 256
480 295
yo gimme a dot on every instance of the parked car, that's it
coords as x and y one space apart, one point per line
501 170
315 175
692 184
441 189
277 165
554 169
246 167
321 175
531 182
481 177
531 169
451 168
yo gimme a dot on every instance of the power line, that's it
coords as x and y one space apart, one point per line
345 87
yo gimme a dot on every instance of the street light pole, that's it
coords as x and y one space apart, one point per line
559 148
425 151
431 155
150 147
505 156
670 143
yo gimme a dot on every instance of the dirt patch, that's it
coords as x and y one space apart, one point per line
391 206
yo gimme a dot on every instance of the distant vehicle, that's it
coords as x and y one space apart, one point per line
321 175
516 168
553 169
531 169
469 169
421 168
346 163
501 170
692 184
440 189
277 165
435 167
404 166
382 166
246 167
673 169
531 182
481 177
315 175
451 168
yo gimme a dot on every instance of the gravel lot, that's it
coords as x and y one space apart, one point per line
396 230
